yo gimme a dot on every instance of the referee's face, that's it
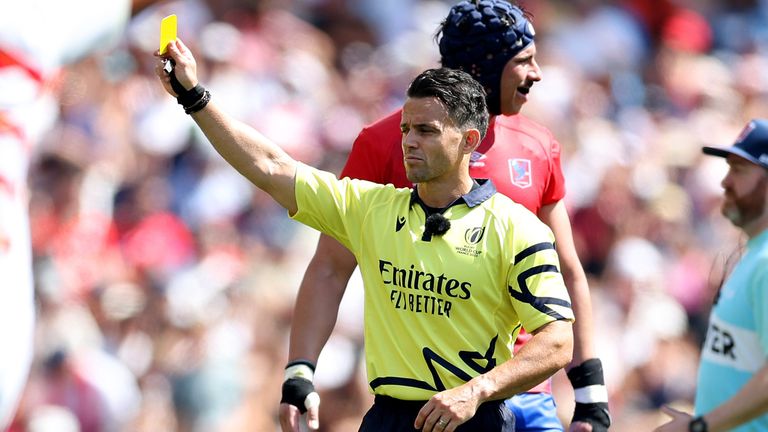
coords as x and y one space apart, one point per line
432 144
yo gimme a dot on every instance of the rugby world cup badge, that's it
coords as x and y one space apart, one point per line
520 171
472 237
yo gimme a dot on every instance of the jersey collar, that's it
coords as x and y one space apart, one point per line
482 190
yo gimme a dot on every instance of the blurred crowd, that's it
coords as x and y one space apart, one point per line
165 282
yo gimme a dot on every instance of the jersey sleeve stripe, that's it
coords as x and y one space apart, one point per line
530 250
539 303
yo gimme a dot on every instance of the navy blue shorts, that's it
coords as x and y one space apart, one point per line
394 415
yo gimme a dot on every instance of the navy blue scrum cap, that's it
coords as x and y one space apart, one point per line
752 144
480 37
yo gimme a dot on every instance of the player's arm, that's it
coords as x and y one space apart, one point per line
585 370
253 155
556 217
750 402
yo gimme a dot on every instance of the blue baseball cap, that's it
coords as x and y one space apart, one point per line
752 144
480 37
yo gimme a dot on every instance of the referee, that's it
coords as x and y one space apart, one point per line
452 269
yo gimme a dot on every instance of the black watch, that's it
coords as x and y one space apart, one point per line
697 424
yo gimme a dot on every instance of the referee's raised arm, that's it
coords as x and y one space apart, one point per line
253 155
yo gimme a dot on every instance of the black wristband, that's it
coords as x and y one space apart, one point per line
189 97
194 99
586 374
592 402
199 103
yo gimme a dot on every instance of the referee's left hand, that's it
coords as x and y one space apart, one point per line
447 410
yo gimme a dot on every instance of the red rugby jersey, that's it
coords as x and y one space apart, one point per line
521 157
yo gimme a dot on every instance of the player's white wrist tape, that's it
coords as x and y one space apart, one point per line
591 394
299 371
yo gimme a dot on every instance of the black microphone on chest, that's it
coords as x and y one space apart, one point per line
436 224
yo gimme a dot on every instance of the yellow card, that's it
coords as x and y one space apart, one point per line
167 32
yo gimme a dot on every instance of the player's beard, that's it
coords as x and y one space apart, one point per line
743 209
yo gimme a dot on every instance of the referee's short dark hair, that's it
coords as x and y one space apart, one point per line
461 95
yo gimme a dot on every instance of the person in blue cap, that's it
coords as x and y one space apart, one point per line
493 41
732 384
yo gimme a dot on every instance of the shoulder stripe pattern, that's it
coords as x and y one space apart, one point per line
540 303
530 250
525 295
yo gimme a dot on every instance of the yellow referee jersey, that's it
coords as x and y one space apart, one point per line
443 310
